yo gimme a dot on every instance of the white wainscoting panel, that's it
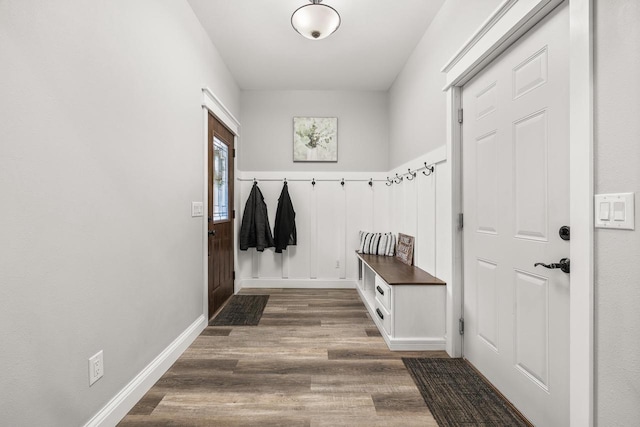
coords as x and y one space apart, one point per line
244 259
410 206
360 212
270 262
298 256
381 207
425 249
443 234
331 210
396 206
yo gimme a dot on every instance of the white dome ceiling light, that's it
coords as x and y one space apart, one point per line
315 21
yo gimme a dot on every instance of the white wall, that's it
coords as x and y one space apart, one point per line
329 217
417 104
101 155
617 152
266 140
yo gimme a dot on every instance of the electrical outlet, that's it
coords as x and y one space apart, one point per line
96 367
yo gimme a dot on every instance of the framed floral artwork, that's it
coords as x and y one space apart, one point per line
315 139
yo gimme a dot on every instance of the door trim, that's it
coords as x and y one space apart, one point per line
212 104
510 21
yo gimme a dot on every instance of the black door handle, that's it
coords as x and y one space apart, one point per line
212 232
564 265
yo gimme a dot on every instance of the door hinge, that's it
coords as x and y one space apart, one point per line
461 326
459 115
233 213
460 221
234 153
233 275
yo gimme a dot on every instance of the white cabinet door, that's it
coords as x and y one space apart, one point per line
516 193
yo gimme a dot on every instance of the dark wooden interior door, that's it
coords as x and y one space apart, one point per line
221 214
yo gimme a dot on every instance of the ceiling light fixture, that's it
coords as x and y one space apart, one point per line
315 21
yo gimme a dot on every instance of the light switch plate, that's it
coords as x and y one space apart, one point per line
615 211
197 209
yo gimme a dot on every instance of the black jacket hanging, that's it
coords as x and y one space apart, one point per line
284 232
255 231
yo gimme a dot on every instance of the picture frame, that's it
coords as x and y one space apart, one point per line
404 248
315 139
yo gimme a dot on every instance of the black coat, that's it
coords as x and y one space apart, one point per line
255 231
284 232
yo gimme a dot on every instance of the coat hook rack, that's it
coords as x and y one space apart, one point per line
370 182
398 179
313 182
342 182
389 182
411 175
428 168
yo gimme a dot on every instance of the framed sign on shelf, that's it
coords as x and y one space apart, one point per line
404 248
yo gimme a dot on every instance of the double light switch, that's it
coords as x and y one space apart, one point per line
615 211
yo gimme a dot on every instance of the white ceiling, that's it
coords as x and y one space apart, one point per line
263 51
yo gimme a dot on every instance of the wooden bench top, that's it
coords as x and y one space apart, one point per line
395 272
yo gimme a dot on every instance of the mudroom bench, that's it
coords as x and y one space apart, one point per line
406 303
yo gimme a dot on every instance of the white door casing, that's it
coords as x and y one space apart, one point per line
212 104
503 27
515 163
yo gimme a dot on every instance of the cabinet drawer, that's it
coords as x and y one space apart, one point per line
383 293
383 316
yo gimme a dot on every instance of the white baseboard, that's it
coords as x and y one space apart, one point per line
415 344
121 404
298 283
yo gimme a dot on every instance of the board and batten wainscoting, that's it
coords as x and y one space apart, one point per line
330 215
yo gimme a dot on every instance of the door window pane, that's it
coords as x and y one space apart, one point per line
220 180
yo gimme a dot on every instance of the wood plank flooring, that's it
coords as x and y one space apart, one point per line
316 359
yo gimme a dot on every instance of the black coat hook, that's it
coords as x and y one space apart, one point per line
411 175
428 168
254 181
342 182
389 182
370 182
398 179
313 182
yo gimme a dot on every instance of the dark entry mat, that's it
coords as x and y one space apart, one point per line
458 396
241 310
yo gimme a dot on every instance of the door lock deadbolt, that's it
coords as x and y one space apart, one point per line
565 232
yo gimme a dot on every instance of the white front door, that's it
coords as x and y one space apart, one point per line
516 198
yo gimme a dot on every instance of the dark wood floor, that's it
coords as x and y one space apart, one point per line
315 359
